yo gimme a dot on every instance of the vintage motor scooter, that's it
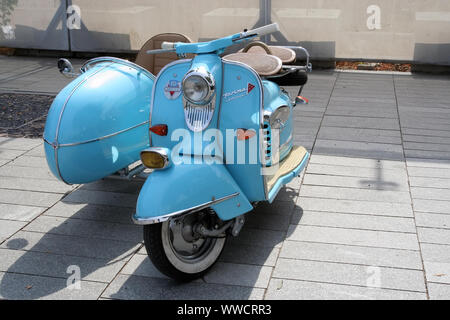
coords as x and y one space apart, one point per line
215 131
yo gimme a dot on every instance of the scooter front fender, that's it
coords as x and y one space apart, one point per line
185 188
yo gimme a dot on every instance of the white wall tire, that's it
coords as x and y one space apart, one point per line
179 264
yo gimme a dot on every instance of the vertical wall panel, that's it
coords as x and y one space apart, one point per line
34 24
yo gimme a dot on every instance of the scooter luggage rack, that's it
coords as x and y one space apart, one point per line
288 69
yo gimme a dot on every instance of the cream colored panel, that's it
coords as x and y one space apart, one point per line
128 24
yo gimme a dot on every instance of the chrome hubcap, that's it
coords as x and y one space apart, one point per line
185 243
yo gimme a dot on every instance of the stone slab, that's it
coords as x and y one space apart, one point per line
282 289
369 238
338 273
350 254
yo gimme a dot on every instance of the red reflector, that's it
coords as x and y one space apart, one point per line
159 129
302 100
244 134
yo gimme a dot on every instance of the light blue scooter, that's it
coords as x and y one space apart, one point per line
216 131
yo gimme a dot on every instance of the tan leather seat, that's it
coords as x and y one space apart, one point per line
263 63
262 59
155 62
286 55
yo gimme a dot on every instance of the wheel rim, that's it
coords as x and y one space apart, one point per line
189 253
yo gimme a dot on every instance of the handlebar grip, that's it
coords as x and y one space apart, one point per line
270 28
167 45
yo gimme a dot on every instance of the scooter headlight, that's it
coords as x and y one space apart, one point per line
198 86
279 117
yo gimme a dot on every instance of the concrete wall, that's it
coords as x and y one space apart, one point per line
406 30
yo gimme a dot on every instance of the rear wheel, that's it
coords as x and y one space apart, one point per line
178 251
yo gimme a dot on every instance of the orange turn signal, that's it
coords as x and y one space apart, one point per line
159 129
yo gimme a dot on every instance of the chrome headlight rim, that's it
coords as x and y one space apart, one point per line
210 84
279 117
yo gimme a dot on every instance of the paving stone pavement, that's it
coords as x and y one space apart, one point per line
368 219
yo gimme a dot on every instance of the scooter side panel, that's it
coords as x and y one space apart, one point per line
241 107
185 186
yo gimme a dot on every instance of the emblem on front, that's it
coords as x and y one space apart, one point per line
172 90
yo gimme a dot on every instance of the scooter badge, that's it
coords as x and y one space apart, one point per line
172 90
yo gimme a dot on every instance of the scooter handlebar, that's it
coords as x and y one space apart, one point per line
167 45
270 28
215 45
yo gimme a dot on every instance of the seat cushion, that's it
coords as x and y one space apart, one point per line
285 54
263 63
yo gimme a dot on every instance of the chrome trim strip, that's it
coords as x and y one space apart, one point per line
158 219
103 137
220 109
154 89
116 60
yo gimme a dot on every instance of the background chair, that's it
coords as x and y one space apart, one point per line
155 62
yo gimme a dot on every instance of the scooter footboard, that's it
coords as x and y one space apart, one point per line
187 188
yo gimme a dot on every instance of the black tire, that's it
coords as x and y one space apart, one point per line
153 241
